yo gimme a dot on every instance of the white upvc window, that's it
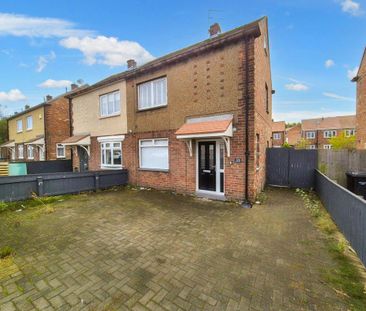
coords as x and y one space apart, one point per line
30 152
311 147
310 135
111 154
60 151
327 146
330 134
20 152
19 126
154 154
110 104
349 133
29 123
277 136
152 94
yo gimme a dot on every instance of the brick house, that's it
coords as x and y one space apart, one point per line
36 133
317 132
278 133
198 120
361 104
293 135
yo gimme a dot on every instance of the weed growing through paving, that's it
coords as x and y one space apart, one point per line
5 251
345 278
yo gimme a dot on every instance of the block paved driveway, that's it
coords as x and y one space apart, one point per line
146 250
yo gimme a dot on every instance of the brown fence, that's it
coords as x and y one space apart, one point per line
335 163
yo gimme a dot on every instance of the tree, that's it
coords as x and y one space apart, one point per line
26 107
3 130
302 144
343 142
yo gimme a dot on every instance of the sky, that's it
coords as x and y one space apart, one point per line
315 45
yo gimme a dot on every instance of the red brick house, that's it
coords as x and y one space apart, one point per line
198 120
317 132
293 135
278 133
361 104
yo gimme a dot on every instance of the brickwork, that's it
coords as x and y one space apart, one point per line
57 126
320 141
278 142
361 105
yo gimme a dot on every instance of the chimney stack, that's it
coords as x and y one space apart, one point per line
131 64
214 30
48 98
74 86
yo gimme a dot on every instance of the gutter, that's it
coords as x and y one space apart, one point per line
246 203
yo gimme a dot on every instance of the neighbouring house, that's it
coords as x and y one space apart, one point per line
99 126
293 135
35 134
278 133
195 121
317 132
361 104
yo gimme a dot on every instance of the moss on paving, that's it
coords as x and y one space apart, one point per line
346 277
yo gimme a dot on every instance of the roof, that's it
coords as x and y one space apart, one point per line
293 134
229 36
363 59
330 123
206 127
75 140
279 126
39 137
47 102
10 143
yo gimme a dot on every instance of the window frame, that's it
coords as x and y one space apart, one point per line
325 134
277 136
153 140
26 123
22 148
106 95
58 146
327 146
19 121
257 151
111 148
308 136
152 90
311 147
30 147
267 98
349 132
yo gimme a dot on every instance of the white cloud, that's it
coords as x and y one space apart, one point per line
329 63
107 50
338 97
296 87
351 73
26 26
44 60
351 7
13 95
55 84
296 116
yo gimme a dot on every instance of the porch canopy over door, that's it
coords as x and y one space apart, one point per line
211 127
82 141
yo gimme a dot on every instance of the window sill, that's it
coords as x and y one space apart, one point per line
28 130
158 170
152 108
103 167
60 158
109 116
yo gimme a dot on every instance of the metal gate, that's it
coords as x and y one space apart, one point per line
291 168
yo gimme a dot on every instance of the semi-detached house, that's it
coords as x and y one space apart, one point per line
194 121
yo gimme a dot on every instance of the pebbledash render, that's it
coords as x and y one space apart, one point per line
195 121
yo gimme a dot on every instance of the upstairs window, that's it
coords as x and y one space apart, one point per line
310 135
110 104
152 94
349 133
277 136
19 126
29 123
330 134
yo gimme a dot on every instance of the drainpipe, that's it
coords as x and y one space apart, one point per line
246 203
70 133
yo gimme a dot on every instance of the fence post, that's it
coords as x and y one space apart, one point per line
97 177
40 186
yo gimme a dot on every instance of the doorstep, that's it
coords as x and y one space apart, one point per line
211 195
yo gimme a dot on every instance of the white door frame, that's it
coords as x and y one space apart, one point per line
217 166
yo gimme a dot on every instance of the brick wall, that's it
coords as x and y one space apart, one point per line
57 126
278 142
361 106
